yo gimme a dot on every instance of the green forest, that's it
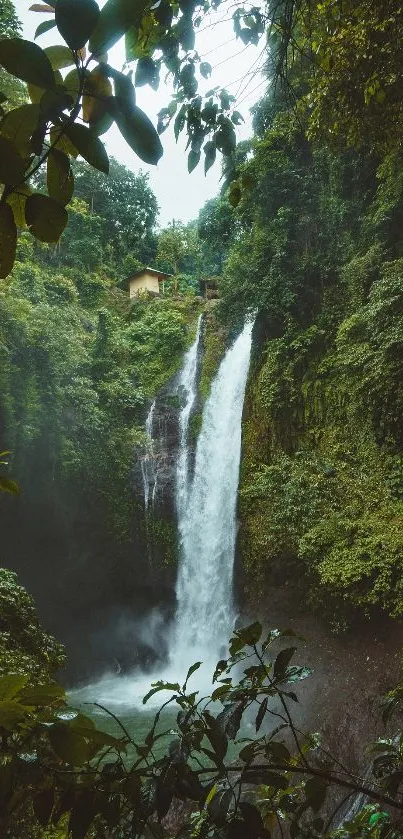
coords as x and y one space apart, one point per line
304 239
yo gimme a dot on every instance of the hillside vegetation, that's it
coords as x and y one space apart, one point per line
319 259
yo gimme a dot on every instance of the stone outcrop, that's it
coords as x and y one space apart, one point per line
154 473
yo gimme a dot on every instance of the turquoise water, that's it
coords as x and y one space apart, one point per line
123 695
122 698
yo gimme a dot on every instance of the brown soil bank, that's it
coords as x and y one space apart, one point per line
351 671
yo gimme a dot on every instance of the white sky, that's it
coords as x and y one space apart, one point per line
179 194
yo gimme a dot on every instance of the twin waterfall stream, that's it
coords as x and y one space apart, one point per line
206 503
206 497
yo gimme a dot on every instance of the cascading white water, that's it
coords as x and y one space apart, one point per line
207 515
148 471
206 505
187 390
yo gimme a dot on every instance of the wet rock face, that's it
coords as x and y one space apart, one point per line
156 464
165 436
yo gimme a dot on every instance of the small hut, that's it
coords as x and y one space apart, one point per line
149 280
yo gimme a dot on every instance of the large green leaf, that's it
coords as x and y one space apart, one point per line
210 152
11 714
42 694
26 61
82 814
139 133
19 125
12 166
11 685
89 146
17 200
147 72
193 159
72 82
45 217
117 16
6 484
70 745
44 27
54 102
59 180
124 89
85 726
282 661
59 56
36 93
43 805
97 91
58 138
76 20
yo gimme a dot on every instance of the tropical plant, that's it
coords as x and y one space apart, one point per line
59 769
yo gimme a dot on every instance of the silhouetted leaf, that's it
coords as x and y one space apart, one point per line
60 180
230 718
315 791
70 745
250 634
43 27
36 92
26 61
192 670
19 125
6 484
210 153
12 166
116 17
193 159
97 91
247 753
205 69
43 805
45 217
89 146
11 685
254 828
217 738
139 133
76 20
11 714
174 686
147 72
54 102
42 694
17 200
59 56
8 245
82 814
43 8
298 674
277 751
261 713
282 661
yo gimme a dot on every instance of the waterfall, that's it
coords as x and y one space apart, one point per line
148 470
187 391
207 514
206 498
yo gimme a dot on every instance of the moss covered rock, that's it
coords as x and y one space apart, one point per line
24 645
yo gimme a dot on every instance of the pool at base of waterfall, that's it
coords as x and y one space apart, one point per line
122 701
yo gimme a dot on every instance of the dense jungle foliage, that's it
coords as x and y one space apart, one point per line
80 364
318 256
306 238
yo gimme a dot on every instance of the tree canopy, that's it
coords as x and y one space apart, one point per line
348 52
